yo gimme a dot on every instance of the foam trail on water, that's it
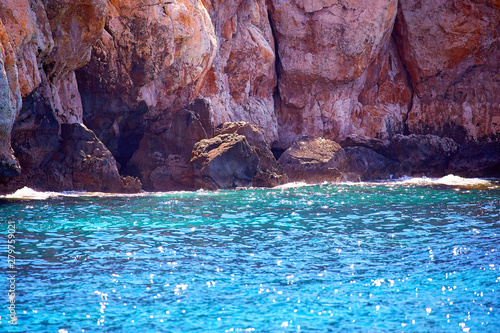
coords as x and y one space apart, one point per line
293 185
449 180
27 193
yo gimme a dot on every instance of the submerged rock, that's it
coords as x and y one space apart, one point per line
314 160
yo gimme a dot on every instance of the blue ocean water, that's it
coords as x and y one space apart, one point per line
401 256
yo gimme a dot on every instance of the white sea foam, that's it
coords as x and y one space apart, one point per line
27 193
449 180
292 185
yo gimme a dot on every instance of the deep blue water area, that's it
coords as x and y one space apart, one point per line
389 257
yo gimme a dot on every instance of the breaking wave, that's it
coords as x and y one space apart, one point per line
27 193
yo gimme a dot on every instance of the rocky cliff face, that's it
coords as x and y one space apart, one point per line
451 50
127 72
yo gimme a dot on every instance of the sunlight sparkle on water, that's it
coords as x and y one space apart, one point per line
350 257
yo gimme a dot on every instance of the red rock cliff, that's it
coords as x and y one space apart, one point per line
124 69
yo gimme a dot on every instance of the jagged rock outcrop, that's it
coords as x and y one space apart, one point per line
63 157
314 160
162 161
270 172
46 41
87 165
225 161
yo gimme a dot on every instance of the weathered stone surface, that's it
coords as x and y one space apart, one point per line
76 26
452 52
253 134
339 70
88 165
270 172
314 160
152 57
426 155
225 161
162 160
355 140
242 79
365 164
22 39
30 37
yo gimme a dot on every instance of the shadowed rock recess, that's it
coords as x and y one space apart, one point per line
156 95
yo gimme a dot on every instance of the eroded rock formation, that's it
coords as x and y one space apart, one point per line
225 161
151 59
242 79
368 74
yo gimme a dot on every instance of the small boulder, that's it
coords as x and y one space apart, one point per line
314 160
223 162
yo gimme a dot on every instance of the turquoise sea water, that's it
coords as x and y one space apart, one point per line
403 256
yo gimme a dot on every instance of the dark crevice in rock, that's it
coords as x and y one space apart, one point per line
406 130
277 152
278 68
132 130
277 64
